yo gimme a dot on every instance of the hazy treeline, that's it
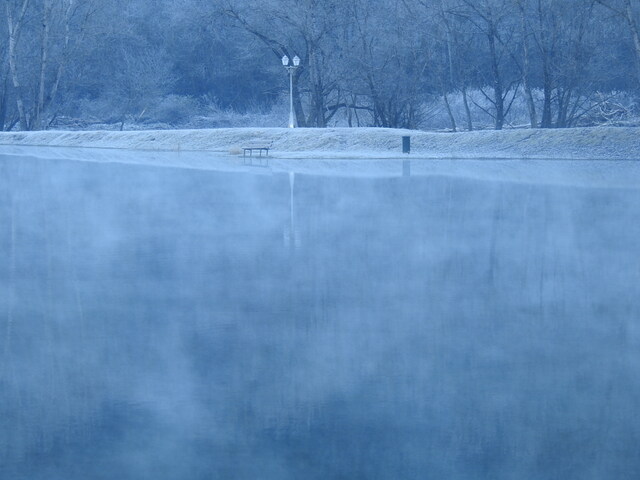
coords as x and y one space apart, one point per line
364 62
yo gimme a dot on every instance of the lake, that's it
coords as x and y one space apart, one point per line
448 323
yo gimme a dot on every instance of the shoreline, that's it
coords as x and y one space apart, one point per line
621 174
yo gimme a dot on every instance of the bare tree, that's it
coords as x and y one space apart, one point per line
389 58
16 14
36 123
302 27
4 76
54 55
493 20
526 62
457 40
630 13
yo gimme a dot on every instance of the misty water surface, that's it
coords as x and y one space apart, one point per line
164 323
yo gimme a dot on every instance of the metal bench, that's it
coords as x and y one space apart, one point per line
260 147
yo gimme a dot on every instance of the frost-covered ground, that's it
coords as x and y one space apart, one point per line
580 143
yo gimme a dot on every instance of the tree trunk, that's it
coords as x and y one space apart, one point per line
547 91
533 120
317 108
297 101
37 121
449 112
450 66
635 33
498 89
467 110
564 100
14 26
545 58
3 105
379 117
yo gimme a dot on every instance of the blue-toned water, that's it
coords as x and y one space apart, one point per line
165 323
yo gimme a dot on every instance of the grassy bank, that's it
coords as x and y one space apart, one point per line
578 143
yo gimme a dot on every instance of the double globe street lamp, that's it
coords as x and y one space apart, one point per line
291 69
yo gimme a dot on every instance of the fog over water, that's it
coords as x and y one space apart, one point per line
166 323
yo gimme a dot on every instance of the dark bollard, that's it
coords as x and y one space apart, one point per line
406 144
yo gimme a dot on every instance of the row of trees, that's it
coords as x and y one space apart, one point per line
368 62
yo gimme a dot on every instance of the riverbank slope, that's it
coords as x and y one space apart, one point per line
599 143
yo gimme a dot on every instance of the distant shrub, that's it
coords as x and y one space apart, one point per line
614 108
174 110
177 111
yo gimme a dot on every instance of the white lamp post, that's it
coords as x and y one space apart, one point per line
291 69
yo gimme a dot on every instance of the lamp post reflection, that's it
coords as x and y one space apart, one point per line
291 233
